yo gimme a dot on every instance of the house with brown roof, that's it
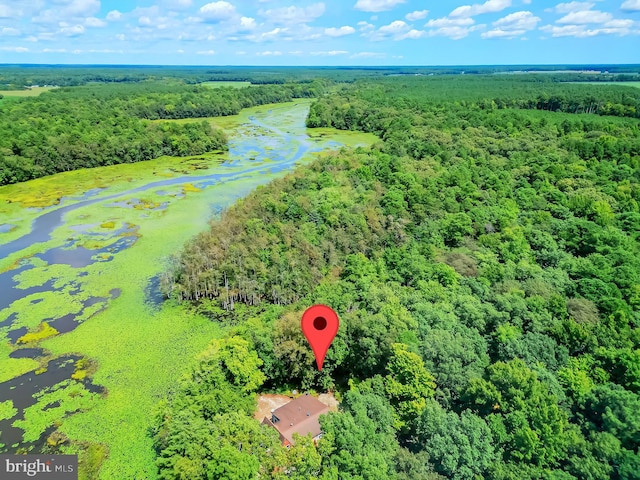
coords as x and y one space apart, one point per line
299 416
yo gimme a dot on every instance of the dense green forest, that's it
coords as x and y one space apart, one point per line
484 262
20 76
94 125
481 91
79 127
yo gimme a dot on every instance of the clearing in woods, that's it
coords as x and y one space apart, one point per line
31 92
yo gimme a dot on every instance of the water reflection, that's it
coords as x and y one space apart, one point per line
20 391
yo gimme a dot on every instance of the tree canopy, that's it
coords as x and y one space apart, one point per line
483 258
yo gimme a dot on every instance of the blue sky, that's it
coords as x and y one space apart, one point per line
327 32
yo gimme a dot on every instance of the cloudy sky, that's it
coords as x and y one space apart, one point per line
314 32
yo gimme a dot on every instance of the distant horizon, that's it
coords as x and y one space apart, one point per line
338 66
319 32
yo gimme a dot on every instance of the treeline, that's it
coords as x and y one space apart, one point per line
21 76
486 270
531 92
173 101
80 127
624 104
16 77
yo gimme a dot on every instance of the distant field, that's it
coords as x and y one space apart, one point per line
226 84
32 92
624 84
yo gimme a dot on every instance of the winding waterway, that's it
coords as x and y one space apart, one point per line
80 278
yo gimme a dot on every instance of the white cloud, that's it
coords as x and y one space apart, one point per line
500 33
7 12
377 5
620 23
331 53
524 19
269 53
368 55
490 6
572 7
121 36
568 31
365 26
412 34
206 52
513 25
217 11
339 32
72 31
449 22
394 29
417 15
584 17
103 50
114 15
619 27
10 31
455 33
178 3
631 6
270 35
293 14
397 26
54 50
145 21
94 22
15 49
247 23
80 7
397 30
309 36
68 10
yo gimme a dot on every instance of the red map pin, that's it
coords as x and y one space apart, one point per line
320 325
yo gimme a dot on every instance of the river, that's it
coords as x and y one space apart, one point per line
88 346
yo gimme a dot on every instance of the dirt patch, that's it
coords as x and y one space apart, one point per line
269 402
329 400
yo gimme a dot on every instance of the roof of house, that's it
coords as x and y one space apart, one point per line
298 416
